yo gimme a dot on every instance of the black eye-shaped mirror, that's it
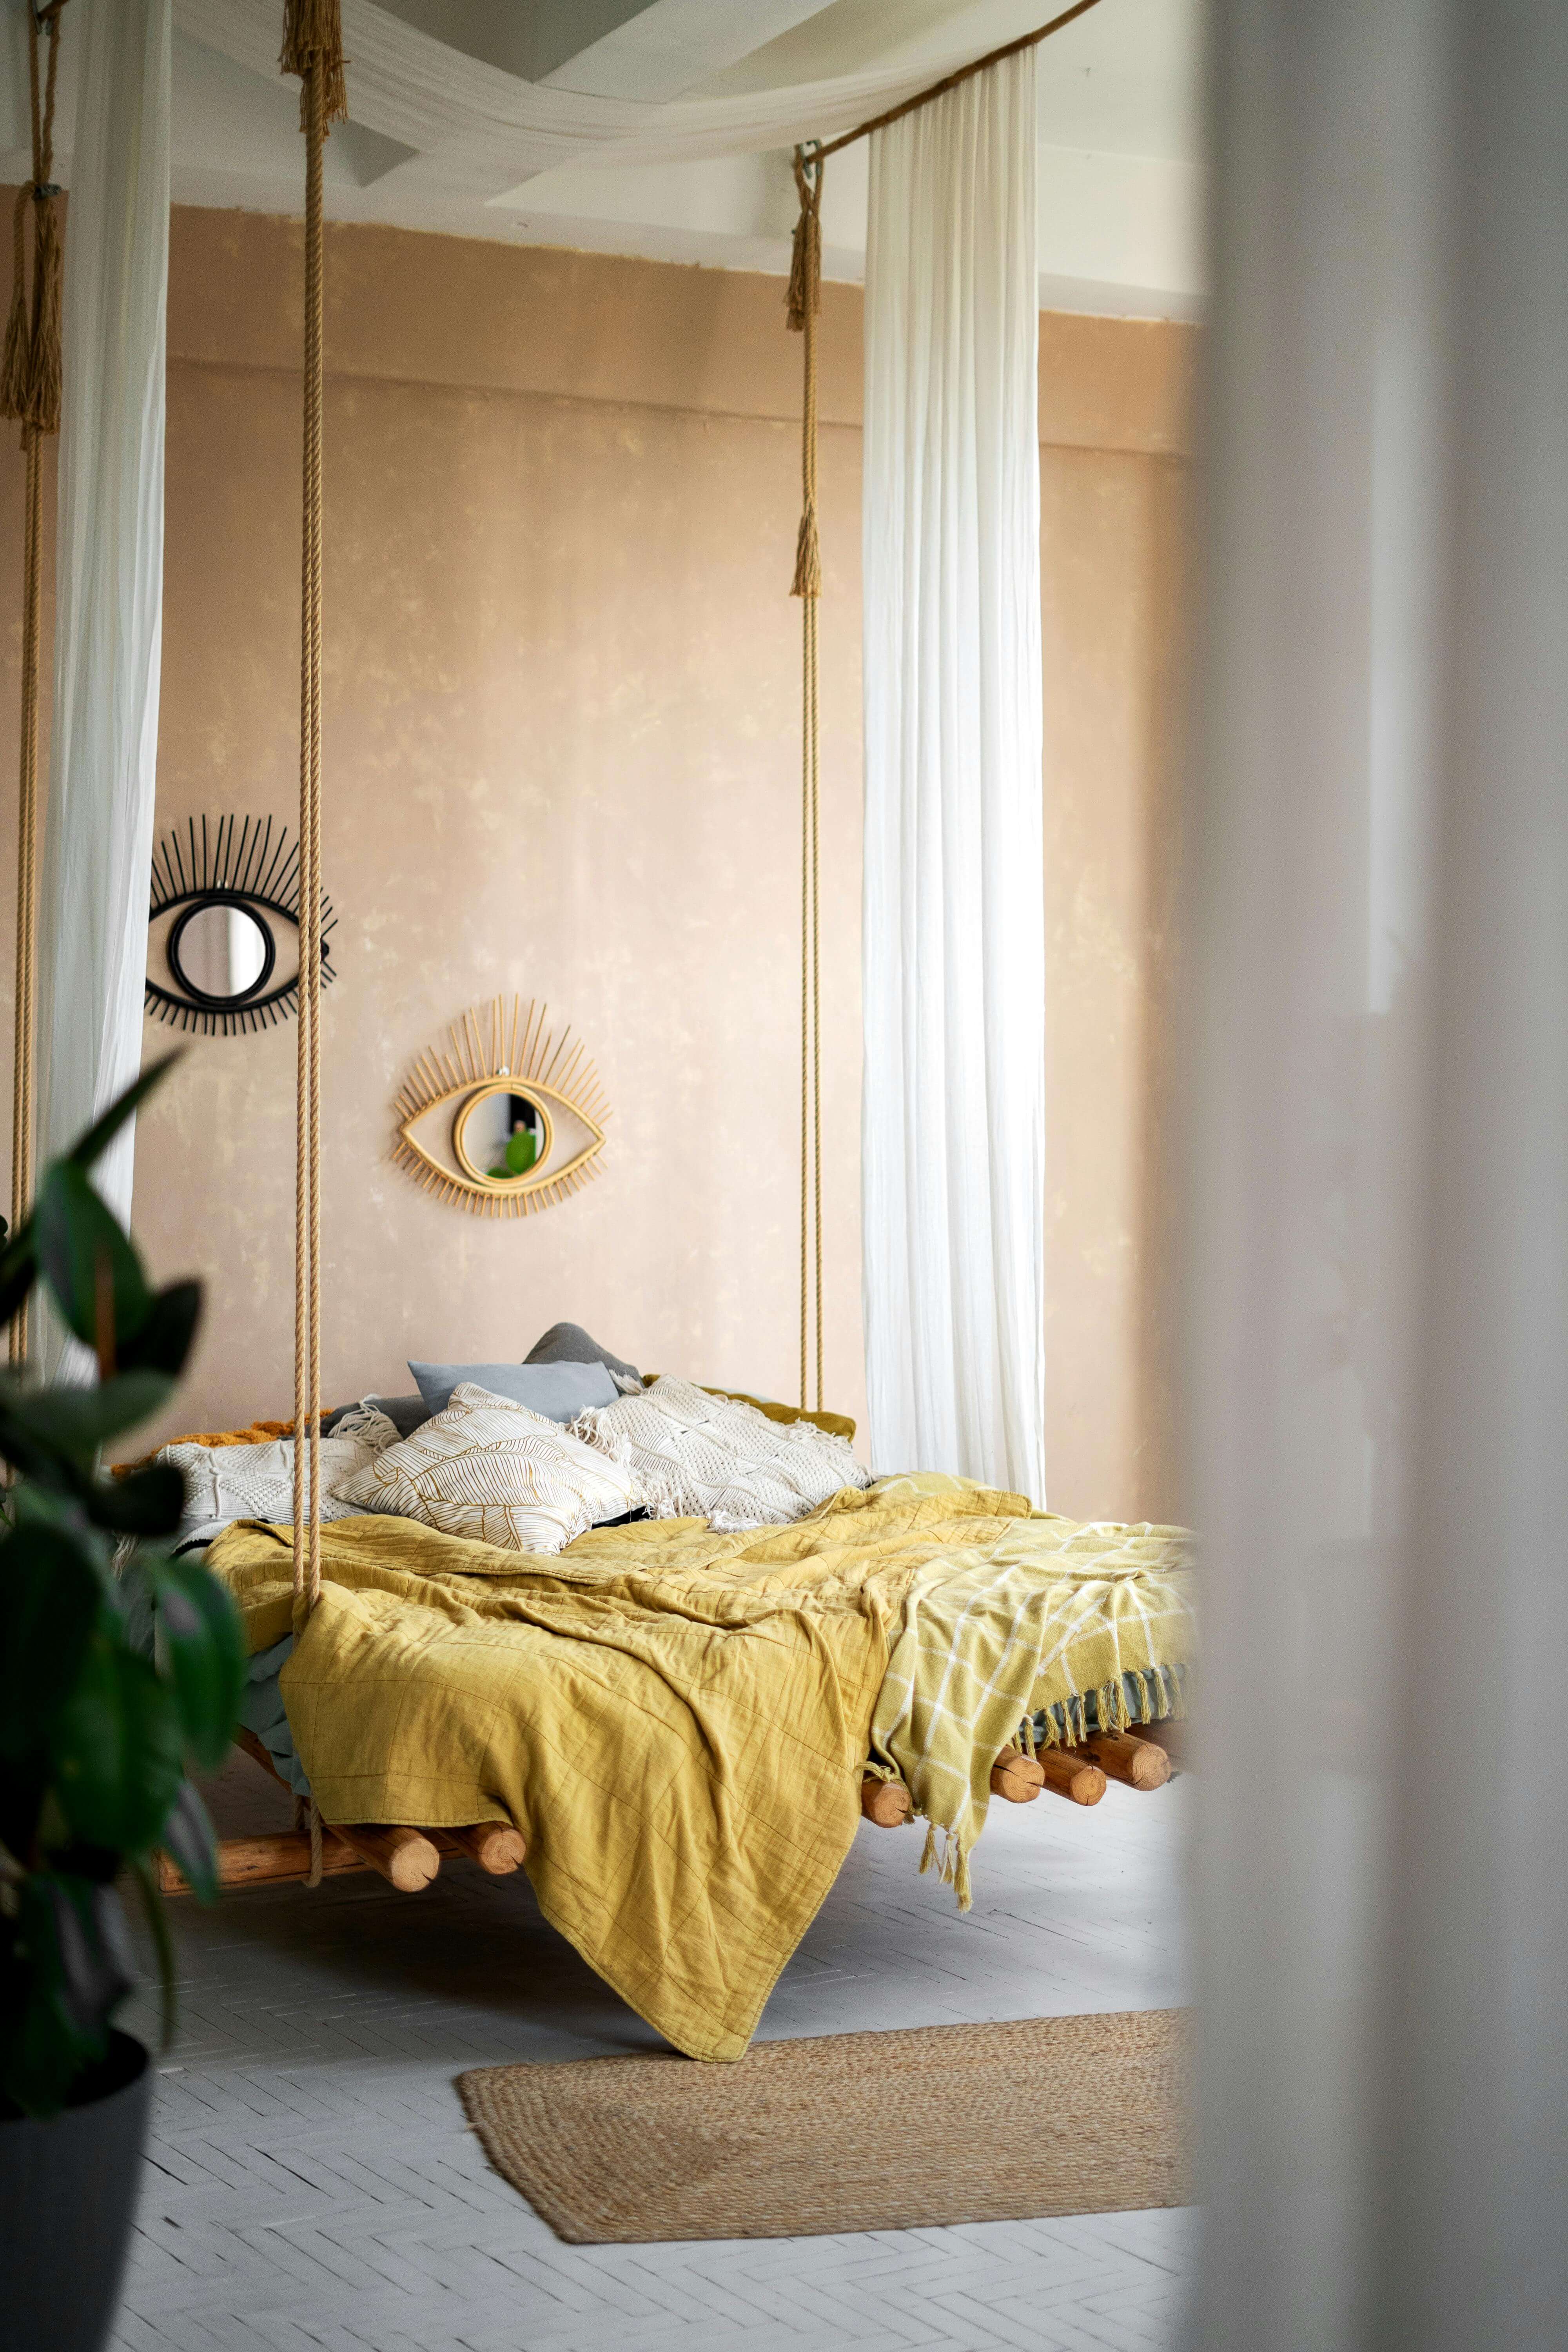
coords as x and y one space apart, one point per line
223 954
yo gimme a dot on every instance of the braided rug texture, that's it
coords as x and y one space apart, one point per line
1014 2122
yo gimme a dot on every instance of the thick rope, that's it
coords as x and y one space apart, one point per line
30 392
313 48
803 303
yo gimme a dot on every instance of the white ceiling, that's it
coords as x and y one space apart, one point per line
1119 154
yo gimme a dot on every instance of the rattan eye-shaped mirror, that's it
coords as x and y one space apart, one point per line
510 1119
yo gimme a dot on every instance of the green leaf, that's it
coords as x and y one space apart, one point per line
163 1944
521 1151
117 1751
49 1601
164 1340
19 1260
143 1503
102 1132
19 1271
78 1422
203 1647
189 1839
90 1267
74 1967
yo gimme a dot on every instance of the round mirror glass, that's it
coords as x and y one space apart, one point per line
221 952
502 1135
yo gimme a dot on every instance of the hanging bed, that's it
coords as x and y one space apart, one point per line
676 1723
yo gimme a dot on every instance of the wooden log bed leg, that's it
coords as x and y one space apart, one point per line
276 1858
1069 1773
1017 1776
1136 1763
886 1802
408 1858
496 1846
1174 1736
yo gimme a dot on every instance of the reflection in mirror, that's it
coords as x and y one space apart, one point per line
503 1134
221 952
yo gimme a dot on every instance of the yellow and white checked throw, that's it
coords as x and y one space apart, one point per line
1045 1615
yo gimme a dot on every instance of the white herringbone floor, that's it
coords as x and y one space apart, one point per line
313 2187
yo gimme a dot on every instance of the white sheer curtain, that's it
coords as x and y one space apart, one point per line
98 825
953 1115
1378 1298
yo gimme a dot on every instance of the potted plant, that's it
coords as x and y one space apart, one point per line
120 1669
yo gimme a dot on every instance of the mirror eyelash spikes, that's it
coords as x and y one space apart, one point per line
224 952
515 1114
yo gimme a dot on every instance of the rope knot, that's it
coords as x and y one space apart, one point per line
803 298
30 364
807 580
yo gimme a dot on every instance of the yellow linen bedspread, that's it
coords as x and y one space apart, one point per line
676 1719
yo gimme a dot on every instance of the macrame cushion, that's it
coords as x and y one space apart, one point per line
497 1474
701 1457
224 1483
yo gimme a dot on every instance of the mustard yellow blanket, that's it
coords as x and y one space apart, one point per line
678 1720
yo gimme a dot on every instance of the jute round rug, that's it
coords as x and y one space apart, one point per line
851 2131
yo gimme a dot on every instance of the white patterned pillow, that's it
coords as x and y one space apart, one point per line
494 1471
224 1482
705 1457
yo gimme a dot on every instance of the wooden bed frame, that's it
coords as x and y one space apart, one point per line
408 1859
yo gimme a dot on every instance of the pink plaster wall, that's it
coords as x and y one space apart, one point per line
562 757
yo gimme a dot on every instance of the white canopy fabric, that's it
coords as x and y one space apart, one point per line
952 1122
474 121
97 828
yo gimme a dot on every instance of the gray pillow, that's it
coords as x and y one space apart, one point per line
568 1343
559 1392
405 1413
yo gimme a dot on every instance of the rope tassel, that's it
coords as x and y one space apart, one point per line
16 368
802 305
313 41
805 296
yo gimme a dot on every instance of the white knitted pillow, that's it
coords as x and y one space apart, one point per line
224 1482
494 1471
705 1457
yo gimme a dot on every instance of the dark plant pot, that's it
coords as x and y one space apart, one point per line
67 2188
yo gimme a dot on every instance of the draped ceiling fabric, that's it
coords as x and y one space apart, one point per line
954 1101
98 825
1377 1369
473 121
